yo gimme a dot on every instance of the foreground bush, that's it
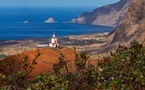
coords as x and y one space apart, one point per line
15 75
124 69
83 78
121 70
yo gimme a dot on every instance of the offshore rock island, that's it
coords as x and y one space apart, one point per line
50 20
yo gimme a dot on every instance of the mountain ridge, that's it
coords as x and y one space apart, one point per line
132 26
109 15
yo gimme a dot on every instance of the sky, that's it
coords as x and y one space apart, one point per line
55 3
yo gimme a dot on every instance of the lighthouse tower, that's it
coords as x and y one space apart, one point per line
53 42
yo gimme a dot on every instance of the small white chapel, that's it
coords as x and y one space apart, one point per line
53 42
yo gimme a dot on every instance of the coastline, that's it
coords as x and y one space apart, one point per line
85 43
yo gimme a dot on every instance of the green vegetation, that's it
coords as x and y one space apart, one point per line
1 54
121 70
124 69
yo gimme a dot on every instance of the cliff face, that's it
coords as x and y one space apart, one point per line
109 15
132 26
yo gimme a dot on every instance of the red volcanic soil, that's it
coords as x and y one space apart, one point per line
42 59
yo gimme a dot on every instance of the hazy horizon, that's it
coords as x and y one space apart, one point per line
55 3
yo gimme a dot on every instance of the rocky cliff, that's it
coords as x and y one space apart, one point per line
132 26
109 15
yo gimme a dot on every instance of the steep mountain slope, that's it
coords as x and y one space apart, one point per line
132 26
109 15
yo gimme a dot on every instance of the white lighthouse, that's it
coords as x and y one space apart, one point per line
53 42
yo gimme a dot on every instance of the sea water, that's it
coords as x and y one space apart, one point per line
12 26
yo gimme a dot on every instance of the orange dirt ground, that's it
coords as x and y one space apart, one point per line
44 63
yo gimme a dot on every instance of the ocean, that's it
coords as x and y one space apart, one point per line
12 26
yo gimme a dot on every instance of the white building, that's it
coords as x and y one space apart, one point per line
53 42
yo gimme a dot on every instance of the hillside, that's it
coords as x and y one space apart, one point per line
42 60
132 26
109 15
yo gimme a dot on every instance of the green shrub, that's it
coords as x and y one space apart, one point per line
121 70
124 69
84 77
14 74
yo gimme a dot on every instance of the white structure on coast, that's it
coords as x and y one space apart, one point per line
53 42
